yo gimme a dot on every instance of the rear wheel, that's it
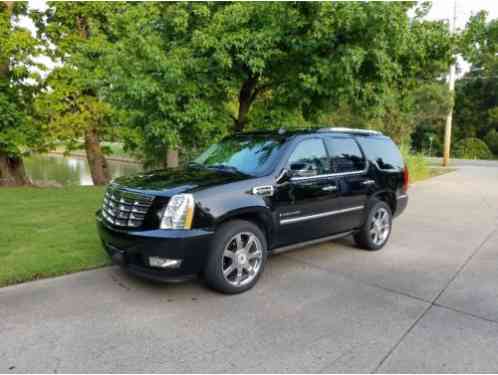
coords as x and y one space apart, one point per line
377 228
237 257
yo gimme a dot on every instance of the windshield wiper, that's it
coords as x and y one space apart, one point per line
195 164
224 167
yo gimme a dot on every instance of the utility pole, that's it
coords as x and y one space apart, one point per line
451 84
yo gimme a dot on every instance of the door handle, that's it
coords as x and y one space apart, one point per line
329 188
368 182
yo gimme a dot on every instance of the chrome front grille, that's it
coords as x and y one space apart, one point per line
125 209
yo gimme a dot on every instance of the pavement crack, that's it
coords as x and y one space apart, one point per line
433 302
464 264
351 349
57 365
430 303
465 313
355 279
119 282
395 346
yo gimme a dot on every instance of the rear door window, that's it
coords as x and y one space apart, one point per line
345 155
383 152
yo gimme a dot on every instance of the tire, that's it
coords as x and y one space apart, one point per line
231 267
376 230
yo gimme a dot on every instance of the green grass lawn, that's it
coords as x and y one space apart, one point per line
48 232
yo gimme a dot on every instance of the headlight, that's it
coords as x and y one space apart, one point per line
179 212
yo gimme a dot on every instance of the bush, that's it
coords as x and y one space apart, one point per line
491 140
472 148
416 163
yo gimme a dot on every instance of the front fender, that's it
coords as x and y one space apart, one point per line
215 207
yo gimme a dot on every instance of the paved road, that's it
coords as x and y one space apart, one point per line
427 302
465 162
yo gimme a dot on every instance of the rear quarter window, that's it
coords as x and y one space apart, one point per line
382 151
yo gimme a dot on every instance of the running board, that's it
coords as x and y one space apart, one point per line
283 249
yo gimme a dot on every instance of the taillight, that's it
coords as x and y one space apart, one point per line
406 179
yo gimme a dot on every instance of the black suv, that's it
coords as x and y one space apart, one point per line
251 195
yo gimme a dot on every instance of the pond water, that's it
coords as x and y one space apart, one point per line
70 170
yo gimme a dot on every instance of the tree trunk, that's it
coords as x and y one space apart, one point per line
247 95
96 159
12 172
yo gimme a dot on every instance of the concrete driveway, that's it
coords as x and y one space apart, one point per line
427 302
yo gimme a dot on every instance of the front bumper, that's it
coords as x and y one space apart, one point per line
132 249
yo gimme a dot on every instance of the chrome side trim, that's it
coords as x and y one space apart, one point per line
282 249
331 174
317 216
404 196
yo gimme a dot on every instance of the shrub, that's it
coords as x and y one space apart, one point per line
416 163
491 140
472 148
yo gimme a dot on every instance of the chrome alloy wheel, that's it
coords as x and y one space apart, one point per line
380 226
242 259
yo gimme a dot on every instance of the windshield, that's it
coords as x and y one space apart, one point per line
248 154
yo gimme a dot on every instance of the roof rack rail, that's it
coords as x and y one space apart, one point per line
350 130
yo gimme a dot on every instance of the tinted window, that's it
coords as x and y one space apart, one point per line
382 151
249 154
309 158
345 155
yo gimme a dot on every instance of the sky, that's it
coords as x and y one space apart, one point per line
441 10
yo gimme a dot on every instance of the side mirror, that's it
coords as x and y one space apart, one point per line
284 176
303 170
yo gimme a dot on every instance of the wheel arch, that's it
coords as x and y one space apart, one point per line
386 196
259 216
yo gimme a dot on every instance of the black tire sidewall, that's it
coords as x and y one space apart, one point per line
213 272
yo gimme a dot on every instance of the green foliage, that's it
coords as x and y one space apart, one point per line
491 140
472 148
431 104
153 73
190 72
71 103
69 112
476 99
479 42
162 75
477 91
418 167
18 132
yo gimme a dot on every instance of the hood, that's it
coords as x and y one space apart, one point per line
175 181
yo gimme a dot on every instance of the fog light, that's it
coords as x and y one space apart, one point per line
164 262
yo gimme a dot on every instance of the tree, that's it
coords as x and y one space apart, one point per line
472 148
491 140
396 86
18 133
190 69
154 73
477 91
72 104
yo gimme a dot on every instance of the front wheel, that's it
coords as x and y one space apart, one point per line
237 257
377 228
